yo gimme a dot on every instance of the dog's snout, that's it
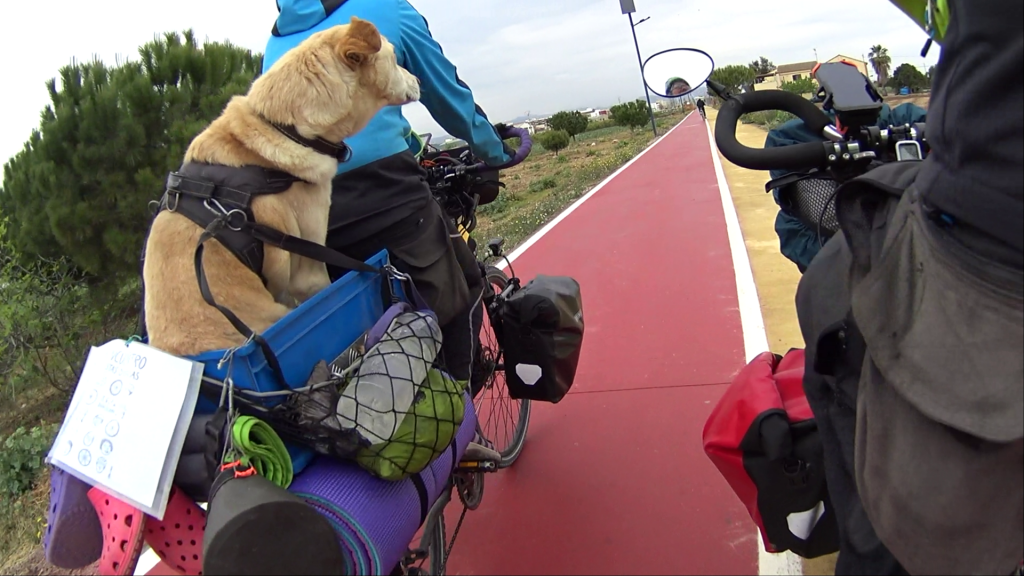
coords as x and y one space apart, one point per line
412 86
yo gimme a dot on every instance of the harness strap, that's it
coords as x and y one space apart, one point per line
302 247
227 184
322 253
205 192
421 493
204 289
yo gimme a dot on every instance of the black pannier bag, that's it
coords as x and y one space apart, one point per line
542 334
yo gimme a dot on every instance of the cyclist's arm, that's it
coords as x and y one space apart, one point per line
445 96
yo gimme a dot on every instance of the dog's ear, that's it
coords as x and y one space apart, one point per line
360 42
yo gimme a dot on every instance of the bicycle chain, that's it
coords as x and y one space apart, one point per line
455 535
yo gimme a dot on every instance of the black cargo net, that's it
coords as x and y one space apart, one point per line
813 202
392 408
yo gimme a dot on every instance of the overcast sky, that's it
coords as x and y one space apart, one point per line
540 56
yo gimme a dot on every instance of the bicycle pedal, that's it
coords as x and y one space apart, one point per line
477 466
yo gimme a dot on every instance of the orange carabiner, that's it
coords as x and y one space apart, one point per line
248 471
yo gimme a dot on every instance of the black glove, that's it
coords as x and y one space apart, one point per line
502 129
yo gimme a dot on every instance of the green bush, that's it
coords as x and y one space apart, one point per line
768 119
553 140
734 76
801 86
599 124
631 114
543 184
45 314
572 123
22 458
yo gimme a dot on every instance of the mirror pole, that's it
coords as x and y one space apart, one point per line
640 60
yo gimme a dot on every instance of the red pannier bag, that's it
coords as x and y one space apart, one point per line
763 438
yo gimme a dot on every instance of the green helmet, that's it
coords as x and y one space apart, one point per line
673 80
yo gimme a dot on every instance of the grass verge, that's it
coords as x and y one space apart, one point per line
544 185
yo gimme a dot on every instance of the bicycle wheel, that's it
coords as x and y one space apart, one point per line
437 547
502 419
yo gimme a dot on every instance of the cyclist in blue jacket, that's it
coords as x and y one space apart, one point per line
380 196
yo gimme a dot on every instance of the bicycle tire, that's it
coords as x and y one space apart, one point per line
437 547
493 355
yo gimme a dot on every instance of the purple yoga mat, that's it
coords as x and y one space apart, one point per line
383 515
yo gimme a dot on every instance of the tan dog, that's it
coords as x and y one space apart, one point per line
328 87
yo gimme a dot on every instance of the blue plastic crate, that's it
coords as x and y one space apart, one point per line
320 328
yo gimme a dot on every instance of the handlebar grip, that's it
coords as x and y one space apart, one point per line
525 144
795 157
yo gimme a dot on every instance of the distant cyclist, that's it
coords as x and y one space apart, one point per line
700 108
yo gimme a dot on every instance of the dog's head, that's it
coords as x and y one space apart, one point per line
334 82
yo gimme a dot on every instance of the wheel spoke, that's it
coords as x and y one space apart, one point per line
502 420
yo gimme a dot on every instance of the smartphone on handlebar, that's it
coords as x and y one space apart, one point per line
847 92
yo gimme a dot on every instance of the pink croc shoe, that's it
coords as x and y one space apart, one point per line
122 526
178 538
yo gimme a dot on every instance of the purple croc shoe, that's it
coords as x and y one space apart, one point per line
73 537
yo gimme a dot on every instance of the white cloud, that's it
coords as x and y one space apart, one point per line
534 55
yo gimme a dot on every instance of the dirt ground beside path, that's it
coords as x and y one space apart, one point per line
775 276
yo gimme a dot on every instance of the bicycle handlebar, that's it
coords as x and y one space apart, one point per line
452 176
835 149
525 144
795 157
459 167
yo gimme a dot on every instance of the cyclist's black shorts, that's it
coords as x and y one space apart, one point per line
423 242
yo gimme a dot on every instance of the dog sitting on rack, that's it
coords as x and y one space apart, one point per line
268 160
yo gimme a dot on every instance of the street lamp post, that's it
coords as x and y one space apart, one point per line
628 8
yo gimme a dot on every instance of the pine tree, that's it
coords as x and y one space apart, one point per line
82 184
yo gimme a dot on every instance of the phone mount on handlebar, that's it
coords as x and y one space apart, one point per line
849 94
461 185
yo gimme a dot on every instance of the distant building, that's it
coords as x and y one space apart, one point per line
594 113
526 126
792 72
450 143
784 73
859 64
538 124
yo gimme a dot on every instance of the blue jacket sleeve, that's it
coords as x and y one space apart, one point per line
445 96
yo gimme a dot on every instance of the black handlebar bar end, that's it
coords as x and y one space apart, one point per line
795 157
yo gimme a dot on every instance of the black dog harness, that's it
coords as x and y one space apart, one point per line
205 193
219 199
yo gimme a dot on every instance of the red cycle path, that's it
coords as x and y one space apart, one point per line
613 479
